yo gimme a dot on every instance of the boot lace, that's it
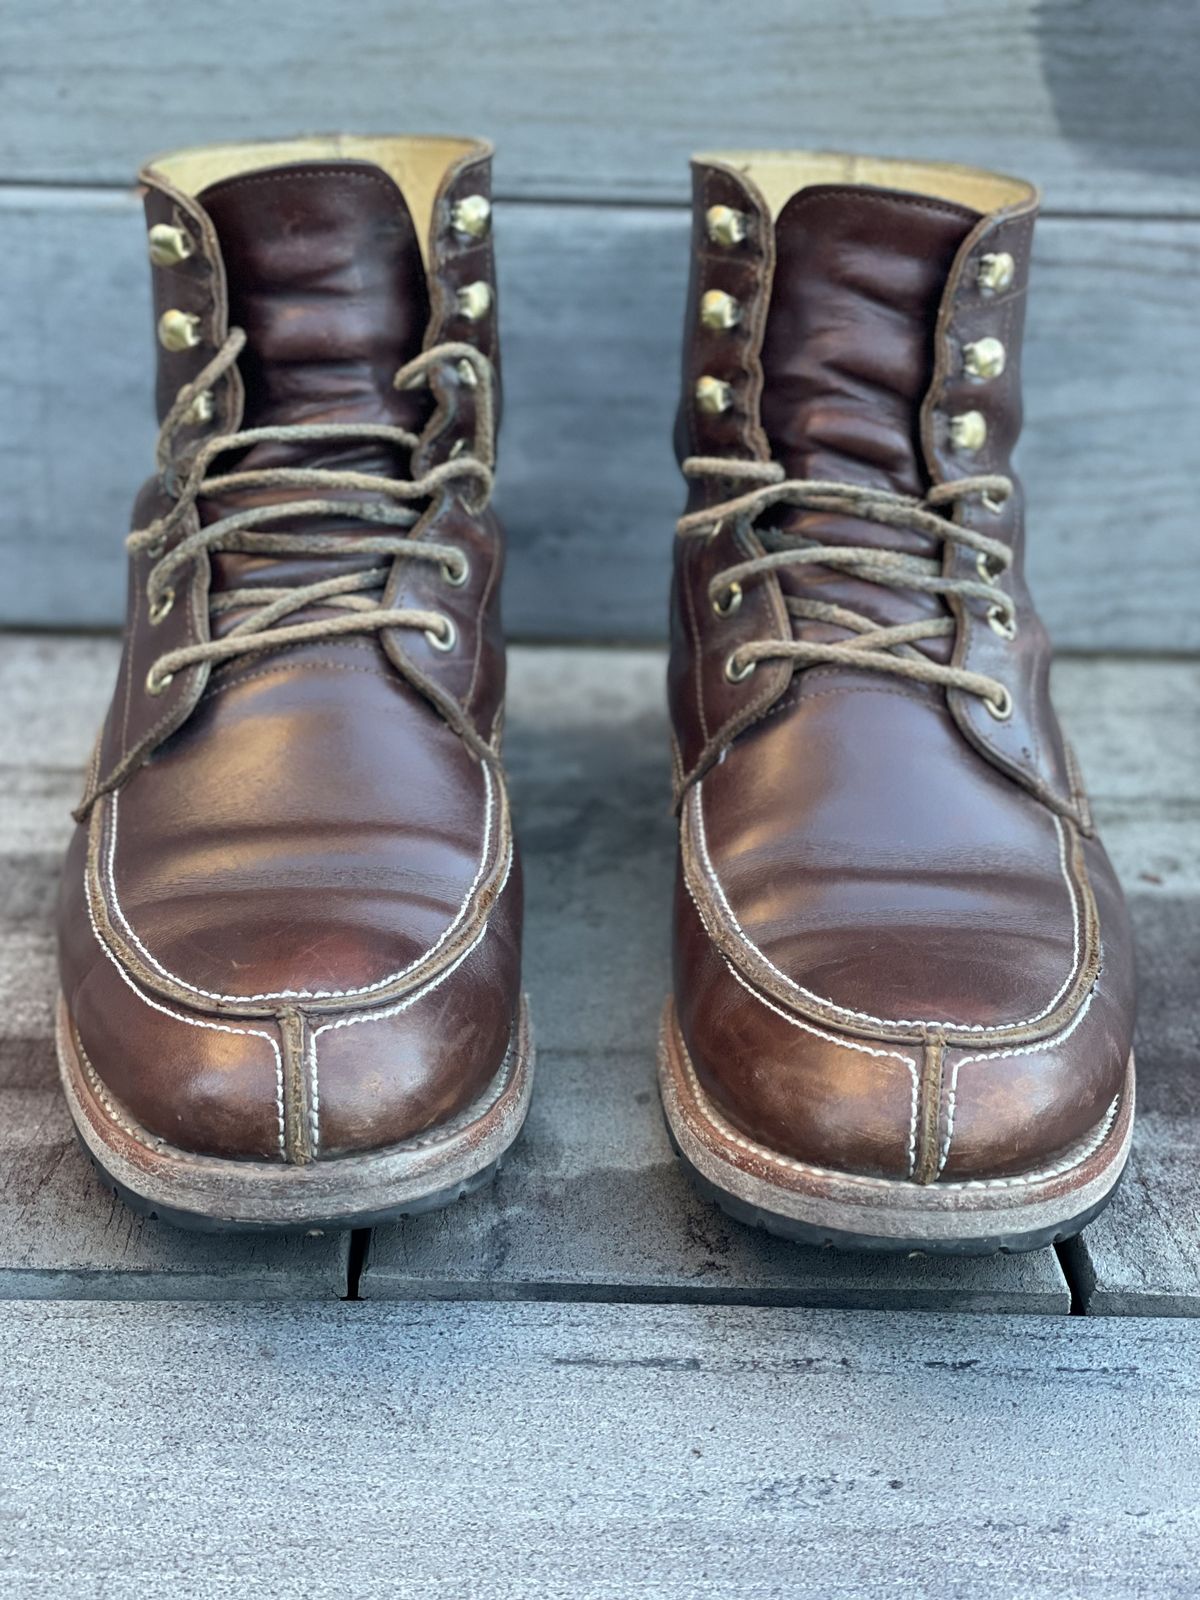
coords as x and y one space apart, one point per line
873 647
352 601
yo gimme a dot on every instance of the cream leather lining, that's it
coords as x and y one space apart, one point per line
416 165
779 174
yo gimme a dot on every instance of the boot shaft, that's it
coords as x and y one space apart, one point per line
339 257
325 312
855 319
858 322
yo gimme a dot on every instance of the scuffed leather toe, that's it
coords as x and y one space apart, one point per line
826 1099
382 1075
206 1084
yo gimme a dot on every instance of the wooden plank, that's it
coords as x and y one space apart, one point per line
1142 1257
1138 735
591 1203
62 1233
594 1451
1100 108
588 484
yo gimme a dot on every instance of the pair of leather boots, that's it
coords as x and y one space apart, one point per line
291 913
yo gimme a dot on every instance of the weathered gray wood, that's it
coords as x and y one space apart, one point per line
594 1451
609 99
592 301
1142 1257
1135 726
1138 734
62 1233
591 1202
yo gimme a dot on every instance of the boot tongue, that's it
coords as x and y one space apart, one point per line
847 358
326 279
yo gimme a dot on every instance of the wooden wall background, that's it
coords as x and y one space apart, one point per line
595 109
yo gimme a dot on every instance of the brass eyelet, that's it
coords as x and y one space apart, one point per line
725 226
713 395
1002 621
201 411
161 607
719 311
985 569
179 330
738 674
168 245
990 503
471 216
1002 708
984 359
157 684
156 549
445 638
968 432
474 300
457 572
995 272
731 602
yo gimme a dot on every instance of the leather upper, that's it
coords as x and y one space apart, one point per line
291 914
900 950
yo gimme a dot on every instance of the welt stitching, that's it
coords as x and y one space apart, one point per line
866 1016
99 1089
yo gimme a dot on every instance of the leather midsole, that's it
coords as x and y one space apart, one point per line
277 1193
886 1207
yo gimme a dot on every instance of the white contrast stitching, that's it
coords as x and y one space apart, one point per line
314 1097
849 1044
195 1022
1073 1159
302 994
1002 1055
159 1146
402 1005
865 1016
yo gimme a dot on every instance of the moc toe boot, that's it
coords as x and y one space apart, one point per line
290 917
903 996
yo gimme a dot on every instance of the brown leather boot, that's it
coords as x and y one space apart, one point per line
290 917
904 979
